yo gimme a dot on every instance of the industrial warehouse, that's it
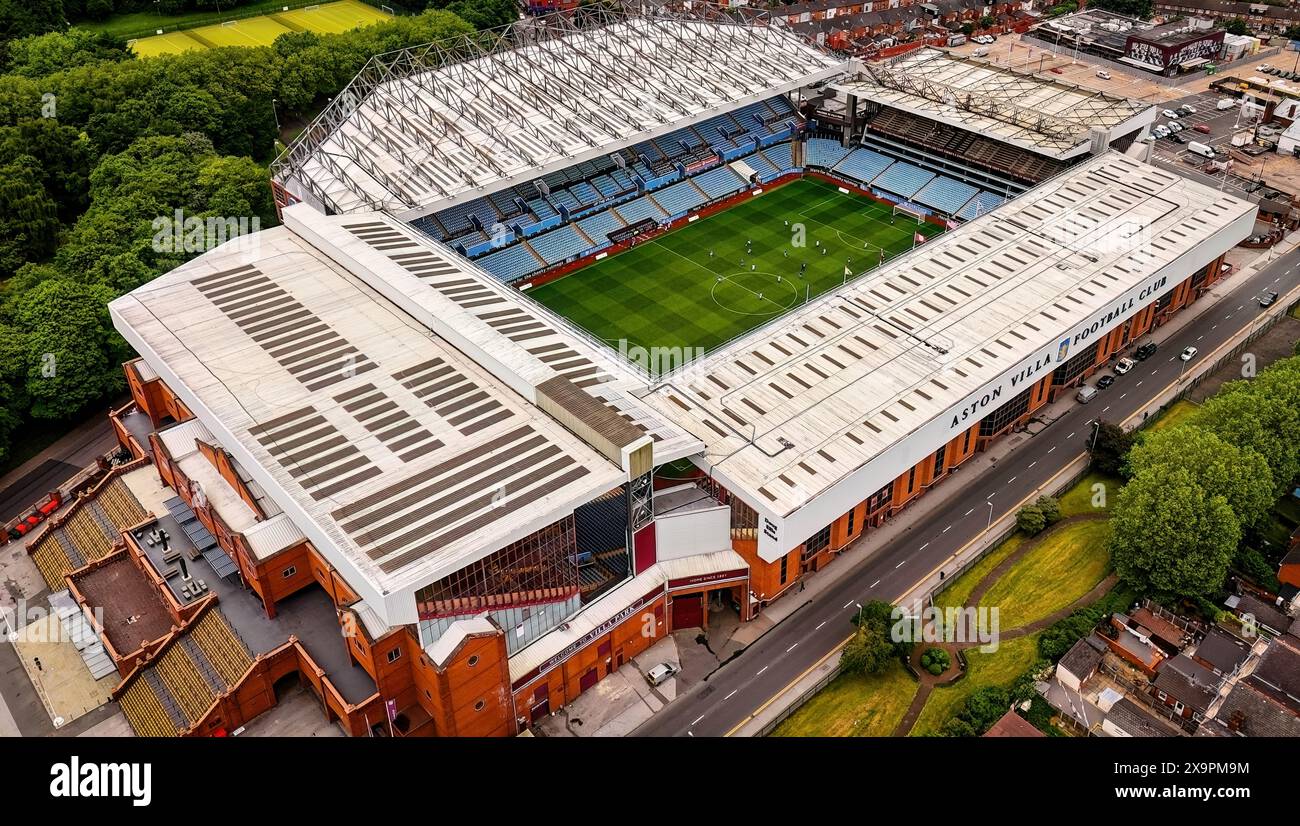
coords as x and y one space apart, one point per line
380 402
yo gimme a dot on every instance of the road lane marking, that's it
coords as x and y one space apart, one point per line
1031 465
734 690
1012 479
899 565
847 604
923 547
1071 436
760 671
1050 449
818 628
969 512
697 719
945 530
791 648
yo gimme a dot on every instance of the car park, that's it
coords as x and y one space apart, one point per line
1124 365
1105 381
1188 354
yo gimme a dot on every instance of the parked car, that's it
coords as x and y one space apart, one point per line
1264 67
1267 299
1202 128
1085 394
1124 365
1105 381
1188 354
1169 113
1160 132
1145 352
1186 110
1176 126
1177 139
1104 75
658 674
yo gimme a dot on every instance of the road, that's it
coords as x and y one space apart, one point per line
738 689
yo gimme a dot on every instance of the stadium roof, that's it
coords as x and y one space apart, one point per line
395 453
421 128
1030 111
845 394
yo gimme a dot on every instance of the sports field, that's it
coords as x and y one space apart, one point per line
326 18
710 281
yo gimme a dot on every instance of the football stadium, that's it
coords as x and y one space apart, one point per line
433 394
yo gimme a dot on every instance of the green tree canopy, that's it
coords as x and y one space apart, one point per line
1170 536
1240 474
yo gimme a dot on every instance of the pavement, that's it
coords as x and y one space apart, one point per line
939 533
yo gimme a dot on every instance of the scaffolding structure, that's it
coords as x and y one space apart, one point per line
422 128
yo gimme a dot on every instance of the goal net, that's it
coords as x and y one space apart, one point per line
909 212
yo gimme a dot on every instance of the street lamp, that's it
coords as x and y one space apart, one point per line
275 115
1096 431
990 522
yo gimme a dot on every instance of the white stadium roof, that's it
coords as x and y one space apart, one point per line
1031 111
422 128
398 456
819 409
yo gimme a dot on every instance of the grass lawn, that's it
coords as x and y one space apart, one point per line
999 668
699 287
957 594
1056 572
854 706
1078 499
1178 413
182 32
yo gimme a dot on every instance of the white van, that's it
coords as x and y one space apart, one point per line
982 51
1200 149
1226 103
1085 394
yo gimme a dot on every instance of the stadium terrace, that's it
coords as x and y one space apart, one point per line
415 394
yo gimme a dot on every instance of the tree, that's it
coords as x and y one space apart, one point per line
985 706
1035 517
1169 536
29 222
869 651
1259 414
1132 8
21 18
71 354
967 29
46 54
1236 26
1111 448
61 158
1240 474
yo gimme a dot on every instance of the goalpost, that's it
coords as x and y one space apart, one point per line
910 212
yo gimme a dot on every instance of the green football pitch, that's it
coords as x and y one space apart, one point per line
710 281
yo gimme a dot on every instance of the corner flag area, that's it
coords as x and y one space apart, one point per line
721 276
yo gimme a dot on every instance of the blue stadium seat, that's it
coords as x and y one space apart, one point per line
559 244
678 198
945 194
979 205
780 156
719 182
824 153
760 165
510 263
903 179
863 165
639 210
599 225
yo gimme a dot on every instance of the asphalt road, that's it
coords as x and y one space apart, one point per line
738 689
